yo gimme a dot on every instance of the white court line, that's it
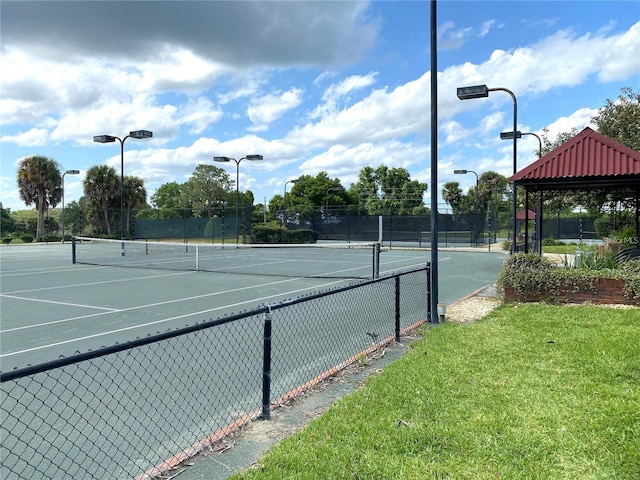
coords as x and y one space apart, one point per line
165 320
102 282
36 271
59 303
138 307
254 300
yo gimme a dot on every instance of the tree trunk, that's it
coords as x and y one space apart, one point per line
106 217
40 223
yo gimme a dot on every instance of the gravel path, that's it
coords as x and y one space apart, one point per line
471 308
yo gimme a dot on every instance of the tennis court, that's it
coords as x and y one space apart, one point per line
51 307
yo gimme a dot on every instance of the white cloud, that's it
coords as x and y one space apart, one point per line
199 114
450 38
577 120
31 138
485 28
178 79
337 91
269 108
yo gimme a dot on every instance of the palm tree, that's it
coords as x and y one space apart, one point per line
102 184
135 195
452 194
40 182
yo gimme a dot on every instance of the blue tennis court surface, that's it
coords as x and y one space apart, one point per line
51 307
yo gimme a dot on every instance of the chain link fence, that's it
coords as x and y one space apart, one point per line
135 410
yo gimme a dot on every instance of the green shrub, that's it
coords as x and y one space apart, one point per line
630 266
603 226
52 238
626 236
506 245
274 233
532 276
7 240
598 258
26 238
266 233
551 242
526 273
303 235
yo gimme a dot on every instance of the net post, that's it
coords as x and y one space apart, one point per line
376 260
197 257
266 365
73 250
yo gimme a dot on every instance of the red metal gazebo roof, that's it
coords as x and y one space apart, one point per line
588 160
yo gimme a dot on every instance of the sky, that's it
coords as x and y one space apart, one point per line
312 86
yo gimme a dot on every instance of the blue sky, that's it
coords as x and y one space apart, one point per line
312 86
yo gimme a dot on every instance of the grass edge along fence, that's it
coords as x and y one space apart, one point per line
139 408
531 391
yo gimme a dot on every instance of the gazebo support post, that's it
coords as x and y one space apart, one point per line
539 222
526 220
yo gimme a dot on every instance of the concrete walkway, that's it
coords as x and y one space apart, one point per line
243 449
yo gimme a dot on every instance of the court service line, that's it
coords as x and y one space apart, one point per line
138 307
101 282
37 271
164 320
59 303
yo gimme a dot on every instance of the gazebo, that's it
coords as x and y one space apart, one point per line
589 161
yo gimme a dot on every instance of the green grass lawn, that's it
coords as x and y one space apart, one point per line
560 249
530 392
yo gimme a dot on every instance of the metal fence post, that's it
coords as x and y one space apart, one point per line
73 250
429 291
266 366
397 308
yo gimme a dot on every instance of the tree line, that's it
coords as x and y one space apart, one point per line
378 191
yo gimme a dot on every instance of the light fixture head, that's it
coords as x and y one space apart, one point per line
141 134
104 138
475 91
254 157
509 135
460 172
72 172
221 159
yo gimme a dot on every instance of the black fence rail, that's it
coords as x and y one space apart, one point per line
134 410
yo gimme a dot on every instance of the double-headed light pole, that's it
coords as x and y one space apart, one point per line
251 158
138 134
481 91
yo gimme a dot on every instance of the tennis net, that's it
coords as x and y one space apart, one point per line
330 260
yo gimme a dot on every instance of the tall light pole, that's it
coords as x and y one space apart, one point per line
481 91
475 197
284 194
70 172
464 172
509 136
326 196
519 134
139 134
229 159
284 204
